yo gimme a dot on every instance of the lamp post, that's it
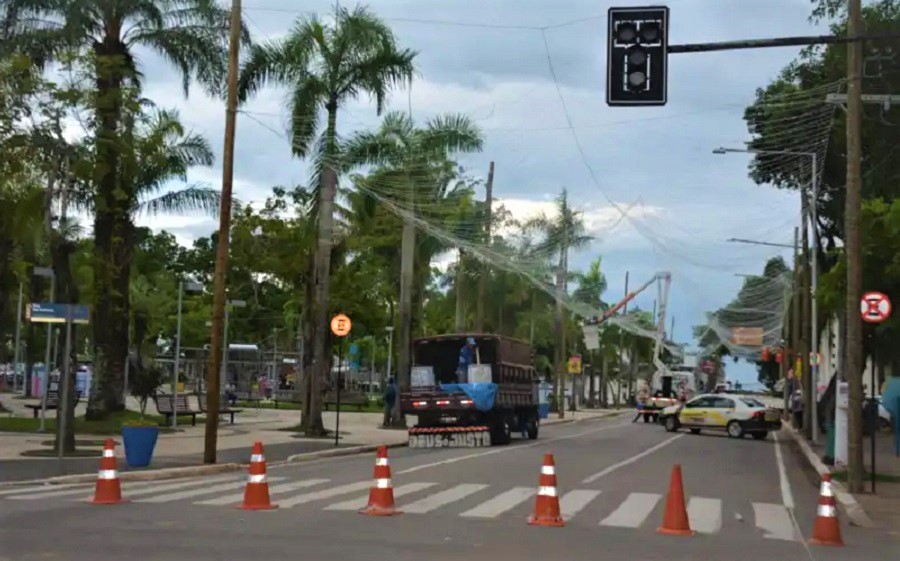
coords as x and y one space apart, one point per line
182 286
814 265
228 305
46 272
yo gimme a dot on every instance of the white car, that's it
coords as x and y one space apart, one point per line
736 415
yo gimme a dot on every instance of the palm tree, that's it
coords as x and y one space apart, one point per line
560 234
591 286
420 155
325 66
192 35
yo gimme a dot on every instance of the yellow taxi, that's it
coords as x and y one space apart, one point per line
736 415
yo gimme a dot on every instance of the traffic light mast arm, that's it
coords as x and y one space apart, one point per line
778 42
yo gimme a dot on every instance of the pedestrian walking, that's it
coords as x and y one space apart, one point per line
390 397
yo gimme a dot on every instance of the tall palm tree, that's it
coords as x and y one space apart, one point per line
420 155
563 232
326 66
191 35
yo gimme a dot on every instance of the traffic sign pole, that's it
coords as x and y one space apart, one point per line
340 327
874 307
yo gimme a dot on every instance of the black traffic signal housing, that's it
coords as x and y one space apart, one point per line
637 56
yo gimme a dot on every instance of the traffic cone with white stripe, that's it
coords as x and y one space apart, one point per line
256 493
826 529
108 490
381 494
546 505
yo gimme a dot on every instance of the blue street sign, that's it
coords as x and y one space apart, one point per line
354 349
51 312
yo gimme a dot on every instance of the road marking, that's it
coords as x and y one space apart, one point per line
325 494
775 521
631 460
360 502
509 449
705 515
438 500
50 494
168 497
633 511
787 497
501 503
128 492
283 488
40 488
572 502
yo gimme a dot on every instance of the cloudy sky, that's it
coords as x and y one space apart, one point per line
480 57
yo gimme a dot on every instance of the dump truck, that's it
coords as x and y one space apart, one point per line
498 398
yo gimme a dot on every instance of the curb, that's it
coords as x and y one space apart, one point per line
351 451
854 510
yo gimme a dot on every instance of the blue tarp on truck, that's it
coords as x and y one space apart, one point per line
482 394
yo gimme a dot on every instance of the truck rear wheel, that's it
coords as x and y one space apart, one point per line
532 427
500 431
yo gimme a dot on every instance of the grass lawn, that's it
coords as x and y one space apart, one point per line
108 426
883 477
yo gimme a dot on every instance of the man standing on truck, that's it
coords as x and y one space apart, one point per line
466 355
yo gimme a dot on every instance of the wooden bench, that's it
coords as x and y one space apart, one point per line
182 407
250 397
347 398
287 396
223 408
52 402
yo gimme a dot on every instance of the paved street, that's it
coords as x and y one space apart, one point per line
460 503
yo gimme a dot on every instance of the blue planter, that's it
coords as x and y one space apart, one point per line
139 444
544 410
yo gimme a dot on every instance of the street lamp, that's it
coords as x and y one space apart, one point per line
814 265
182 286
228 305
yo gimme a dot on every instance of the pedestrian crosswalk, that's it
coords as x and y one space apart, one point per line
611 508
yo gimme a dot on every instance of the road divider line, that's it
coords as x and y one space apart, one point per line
503 502
705 515
787 497
510 448
633 511
631 460
360 502
438 500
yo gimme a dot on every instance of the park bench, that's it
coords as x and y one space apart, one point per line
52 402
182 407
286 396
224 409
349 397
248 396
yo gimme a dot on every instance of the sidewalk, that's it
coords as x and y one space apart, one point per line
184 447
883 507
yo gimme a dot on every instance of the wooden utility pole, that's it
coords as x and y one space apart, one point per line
853 248
215 359
803 320
460 323
485 267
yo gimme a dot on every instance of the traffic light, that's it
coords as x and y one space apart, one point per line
637 56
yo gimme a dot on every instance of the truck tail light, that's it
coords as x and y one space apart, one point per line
466 402
443 402
420 403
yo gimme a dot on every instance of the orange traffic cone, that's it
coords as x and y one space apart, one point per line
546 505
381 495
826 529
675 520
256 493
108 490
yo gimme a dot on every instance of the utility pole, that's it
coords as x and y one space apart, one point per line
622 344
853 248
804 298
795 311
485 267
215 351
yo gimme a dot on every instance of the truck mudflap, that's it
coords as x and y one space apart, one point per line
449 437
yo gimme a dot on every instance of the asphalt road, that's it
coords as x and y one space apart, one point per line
460 504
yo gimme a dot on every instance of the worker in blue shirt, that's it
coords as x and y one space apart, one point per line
466 356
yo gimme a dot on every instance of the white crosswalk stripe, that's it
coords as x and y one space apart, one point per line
273 490
503 502
583 506
705 515
360 502
633 511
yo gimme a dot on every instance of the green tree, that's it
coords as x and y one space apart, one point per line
325 66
